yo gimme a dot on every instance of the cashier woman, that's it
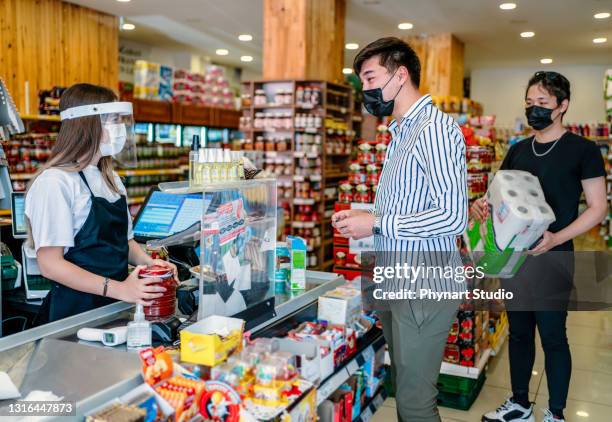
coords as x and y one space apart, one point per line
76 208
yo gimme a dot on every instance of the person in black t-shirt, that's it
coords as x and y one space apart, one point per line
566 166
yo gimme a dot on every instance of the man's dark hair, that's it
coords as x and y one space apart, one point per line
393 53
554 83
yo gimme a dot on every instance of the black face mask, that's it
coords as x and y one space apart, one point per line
374 102
539 117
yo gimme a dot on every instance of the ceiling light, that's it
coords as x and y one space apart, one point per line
246 58
527 34
599 40
507 6
347 70
128 26
123 1
546 61
245 37
603 15
582 413
221 52
534 372
405 25
352 46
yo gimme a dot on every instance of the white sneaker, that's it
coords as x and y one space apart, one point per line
549 417
510 412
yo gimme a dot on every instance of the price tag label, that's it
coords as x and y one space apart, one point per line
352 367
366 415
323 392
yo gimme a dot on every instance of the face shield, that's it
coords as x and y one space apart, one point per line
117 122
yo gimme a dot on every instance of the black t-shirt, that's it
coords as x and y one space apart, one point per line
560 172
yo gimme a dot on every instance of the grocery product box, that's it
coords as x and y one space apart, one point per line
518 216
340 306
211 340
308 357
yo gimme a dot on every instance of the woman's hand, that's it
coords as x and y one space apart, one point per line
480 209
139 290
549 241
168 265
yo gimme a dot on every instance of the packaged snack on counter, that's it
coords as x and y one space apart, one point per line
211 340
183 394
307 357
156 365
340 306
118 412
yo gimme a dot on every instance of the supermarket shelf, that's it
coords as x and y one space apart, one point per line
304 201
136 200
333 382
337 109
502 338
466 371
137 172
271 129
152 172
273 106
313 178
336 92
302 154
5 213
372 405
304 224
336 175
309 130
44 117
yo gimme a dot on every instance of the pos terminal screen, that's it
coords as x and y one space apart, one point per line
165 214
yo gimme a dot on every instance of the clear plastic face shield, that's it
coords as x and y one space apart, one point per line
117 122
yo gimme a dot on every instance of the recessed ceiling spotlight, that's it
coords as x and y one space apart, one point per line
405 25
221 52
527 34
245 37
246 58
546 61
351 46
347 70
602 15
507 6
600 40
128 26
582 414
123 1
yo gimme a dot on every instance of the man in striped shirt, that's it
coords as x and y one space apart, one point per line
420 209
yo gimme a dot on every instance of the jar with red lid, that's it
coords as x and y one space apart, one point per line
373 174
165 305
346 192
363 194
356 175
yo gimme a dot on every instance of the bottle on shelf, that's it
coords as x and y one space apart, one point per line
194 159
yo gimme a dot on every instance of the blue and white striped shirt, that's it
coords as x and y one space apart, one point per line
422 192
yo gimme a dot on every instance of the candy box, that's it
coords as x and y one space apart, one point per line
308 357
340 306
211 340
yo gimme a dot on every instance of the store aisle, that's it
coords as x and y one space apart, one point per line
590 395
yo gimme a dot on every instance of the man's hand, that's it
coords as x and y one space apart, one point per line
354 223
549 241
480 209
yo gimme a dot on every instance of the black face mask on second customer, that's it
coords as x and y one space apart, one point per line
374 102
538 117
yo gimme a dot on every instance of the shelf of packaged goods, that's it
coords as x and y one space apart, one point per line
314 130
307 106
312 178
466 371
373 340
136 200
272 106
372 405
336 92
152 172
22 176
5 213
44 117
304 224
271 129
342 110
336 175
304 201
327 264
302 154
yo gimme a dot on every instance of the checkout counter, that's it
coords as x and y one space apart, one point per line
52 358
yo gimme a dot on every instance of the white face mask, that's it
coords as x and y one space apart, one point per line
117 135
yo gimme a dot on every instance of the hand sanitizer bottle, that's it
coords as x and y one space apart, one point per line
139 331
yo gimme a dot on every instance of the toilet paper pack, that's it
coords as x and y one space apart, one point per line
518 216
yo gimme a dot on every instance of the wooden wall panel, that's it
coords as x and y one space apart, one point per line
51 43
442 63
303 39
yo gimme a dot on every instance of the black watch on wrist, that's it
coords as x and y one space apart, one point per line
376 227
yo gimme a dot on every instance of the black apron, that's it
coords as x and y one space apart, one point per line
100 247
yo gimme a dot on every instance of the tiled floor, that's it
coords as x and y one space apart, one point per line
590 395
